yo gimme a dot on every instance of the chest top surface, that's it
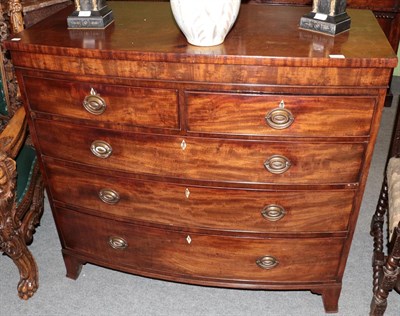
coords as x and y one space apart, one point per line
262 35
383 5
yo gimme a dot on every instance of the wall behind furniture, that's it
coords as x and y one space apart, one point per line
396 71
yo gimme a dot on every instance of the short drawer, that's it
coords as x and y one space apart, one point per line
201 207
279 115
198 256
104 103
201 158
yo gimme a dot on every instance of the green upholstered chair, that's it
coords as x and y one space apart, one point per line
21 187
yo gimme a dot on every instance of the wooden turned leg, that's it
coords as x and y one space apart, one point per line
378 257
386 284
389 277
378 307
397 286
379 216
330 297
73 266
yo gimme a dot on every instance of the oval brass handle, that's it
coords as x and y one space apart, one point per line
279 118
273 212
267 262
101 149
109 196
94 104
277 164
117 242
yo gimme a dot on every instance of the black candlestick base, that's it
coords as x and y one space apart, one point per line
90 19
326 24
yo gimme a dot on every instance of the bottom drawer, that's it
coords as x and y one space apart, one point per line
186 255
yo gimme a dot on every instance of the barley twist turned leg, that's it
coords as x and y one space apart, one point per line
377 232
388 278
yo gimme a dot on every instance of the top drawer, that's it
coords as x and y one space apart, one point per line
136 106
280 115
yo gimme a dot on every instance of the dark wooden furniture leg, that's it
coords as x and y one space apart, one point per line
330 297
72 265
388 279
376 232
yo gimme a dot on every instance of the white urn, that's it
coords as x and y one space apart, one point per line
205 22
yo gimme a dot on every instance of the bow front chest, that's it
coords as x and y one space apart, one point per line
241 165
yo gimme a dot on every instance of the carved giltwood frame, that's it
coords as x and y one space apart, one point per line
3 35
17 221
11 21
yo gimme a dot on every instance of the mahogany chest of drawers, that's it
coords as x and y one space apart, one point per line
241 165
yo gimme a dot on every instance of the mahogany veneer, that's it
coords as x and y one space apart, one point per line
241 165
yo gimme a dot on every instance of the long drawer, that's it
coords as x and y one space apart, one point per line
201 207
280 115
104 103
191 255
203 158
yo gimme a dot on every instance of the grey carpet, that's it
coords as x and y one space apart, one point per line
100 291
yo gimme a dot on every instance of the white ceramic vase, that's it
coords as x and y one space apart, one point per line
205 22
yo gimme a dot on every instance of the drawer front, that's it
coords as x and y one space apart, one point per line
112 104
204 159
280 115
192 255
201 207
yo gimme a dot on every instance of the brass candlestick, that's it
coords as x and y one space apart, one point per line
327 16
90 14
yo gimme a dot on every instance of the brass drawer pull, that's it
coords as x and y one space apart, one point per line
117 242
109 196
279 118
273 212
267 262
277 164
94 104
101 149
